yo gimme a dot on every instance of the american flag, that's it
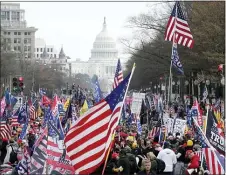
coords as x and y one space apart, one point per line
5 130
58 159
156 129
89 138
200 78
33 112
178 26
118 75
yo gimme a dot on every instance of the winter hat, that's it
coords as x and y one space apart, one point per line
189 143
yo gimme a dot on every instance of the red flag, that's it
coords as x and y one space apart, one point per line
45 100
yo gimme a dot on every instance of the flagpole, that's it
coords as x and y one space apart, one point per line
105 163
170 77
205 130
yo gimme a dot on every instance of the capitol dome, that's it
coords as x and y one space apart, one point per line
104 46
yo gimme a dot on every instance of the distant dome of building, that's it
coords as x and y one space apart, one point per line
104 46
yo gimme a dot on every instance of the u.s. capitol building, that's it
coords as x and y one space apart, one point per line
103 60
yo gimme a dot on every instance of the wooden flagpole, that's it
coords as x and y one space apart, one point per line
108 152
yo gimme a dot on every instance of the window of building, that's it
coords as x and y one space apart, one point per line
41 49
25 33
5 15
25 48
15 33
19 48
8 33
25 40
15 48
47 49
29 48
28 33
54 55
5 33
51 49
19 33
17 40
29 55
37 55
37 49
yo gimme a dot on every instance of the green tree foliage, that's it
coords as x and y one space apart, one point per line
152 54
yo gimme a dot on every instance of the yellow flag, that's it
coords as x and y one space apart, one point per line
66 104
84 108
39 111
218 116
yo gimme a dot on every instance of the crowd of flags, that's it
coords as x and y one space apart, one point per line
70 144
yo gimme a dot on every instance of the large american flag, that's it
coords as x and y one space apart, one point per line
118 75
5 130
89 138
178 26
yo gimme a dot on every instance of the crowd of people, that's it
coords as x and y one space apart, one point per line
131 152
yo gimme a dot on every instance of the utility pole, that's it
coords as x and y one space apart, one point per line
10 83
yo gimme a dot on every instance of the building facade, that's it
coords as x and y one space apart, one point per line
103 60
49 56
40 45
14 31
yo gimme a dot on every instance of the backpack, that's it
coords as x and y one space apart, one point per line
13 156
160 165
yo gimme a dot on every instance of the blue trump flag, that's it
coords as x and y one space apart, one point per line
24 131
23 114
175 60
97 92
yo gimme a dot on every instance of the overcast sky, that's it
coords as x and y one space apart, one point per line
76 24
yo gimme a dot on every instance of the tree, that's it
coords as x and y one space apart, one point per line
152 54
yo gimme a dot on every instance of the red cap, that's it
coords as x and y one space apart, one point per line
19 141
114 155
188 152
5 140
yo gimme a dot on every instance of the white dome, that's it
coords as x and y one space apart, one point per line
104 46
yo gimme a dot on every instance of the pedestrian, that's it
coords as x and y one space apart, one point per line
169 157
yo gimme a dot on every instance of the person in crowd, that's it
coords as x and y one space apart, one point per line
146 163
123 163
3 150
194 164
149 147
169 157
180 154
11 153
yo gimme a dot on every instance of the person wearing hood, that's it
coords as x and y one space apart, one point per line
169 157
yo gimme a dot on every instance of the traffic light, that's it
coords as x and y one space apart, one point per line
15 84
21 83
67 86
73 86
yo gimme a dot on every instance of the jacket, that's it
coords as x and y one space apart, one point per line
144 173
124 162
194 163
169 157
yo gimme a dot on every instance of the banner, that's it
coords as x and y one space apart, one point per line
169 125
179 126
214 135
137 102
